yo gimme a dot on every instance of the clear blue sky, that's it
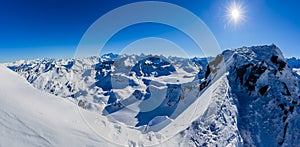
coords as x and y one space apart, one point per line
53 28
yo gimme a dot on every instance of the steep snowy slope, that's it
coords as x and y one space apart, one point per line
29 117
218 125
261 92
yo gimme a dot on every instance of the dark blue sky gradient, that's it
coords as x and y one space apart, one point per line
53 28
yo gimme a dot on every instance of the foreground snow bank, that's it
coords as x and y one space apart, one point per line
29 117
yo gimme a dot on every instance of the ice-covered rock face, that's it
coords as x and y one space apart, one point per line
267 94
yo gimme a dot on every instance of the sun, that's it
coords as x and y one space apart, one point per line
235 13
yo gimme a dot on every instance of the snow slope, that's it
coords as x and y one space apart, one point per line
218 125
30 117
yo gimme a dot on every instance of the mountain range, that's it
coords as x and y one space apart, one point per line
247 96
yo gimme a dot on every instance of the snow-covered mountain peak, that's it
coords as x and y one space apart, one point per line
254 54
267 93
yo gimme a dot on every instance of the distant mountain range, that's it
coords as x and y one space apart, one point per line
247 96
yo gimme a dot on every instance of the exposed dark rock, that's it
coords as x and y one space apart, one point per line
282 65
82 104
284 134
291 109
207 72
204 84
217 60
241 72
285 112
284 118
251 88
255 72
263 90
281 106
138 94
274 59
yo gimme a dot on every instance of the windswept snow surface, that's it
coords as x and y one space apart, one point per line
30 117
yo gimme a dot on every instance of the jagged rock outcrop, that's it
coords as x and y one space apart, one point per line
267 94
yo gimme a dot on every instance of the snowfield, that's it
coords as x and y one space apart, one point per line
243 97
30 117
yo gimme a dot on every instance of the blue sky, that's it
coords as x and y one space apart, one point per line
53 28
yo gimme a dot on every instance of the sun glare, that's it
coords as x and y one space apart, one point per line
235 13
